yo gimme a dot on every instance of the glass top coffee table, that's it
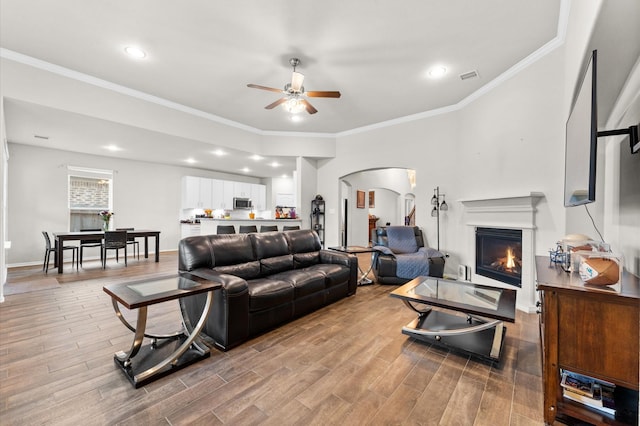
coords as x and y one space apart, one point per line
475 323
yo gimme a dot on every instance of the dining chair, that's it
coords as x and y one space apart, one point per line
290 227
226 229
90 243
268 228
247 229
114 240
49 249
131 241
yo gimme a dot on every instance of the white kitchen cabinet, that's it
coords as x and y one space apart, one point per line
228 194
242 189
205 193
190 192
259 196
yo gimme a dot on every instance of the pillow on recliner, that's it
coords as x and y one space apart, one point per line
402 239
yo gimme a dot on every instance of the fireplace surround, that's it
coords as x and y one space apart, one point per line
514 213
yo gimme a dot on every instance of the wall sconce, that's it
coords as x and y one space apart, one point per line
438 206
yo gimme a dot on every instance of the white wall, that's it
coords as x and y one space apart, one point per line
145 196
3 198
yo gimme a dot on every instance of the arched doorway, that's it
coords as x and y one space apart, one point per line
384 193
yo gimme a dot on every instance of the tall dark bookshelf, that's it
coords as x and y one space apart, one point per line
317 218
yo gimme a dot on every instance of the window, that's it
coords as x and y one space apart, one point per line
90 191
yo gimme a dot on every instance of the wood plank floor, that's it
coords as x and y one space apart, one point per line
345 364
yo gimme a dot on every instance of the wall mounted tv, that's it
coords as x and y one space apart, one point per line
581 141
582 137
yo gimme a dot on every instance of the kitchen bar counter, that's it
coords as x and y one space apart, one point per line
209 226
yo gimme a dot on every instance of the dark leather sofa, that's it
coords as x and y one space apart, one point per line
385 267
267 279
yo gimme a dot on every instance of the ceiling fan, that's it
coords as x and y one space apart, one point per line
294 92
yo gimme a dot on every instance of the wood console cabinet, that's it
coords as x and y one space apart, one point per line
590 332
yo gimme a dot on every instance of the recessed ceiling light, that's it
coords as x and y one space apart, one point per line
256 157
296 118
284 176
190 161
219 152
275 164
135 52
246 170
437 71
112 148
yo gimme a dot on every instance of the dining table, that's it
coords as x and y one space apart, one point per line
61 237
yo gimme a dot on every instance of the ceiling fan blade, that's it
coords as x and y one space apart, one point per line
276 103
271 89
323 94
308 106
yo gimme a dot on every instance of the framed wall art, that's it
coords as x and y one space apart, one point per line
360 199
372 199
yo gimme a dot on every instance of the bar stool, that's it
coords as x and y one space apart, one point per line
247 229
268 228
226 229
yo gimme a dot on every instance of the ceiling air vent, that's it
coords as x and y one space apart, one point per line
41 137
468 75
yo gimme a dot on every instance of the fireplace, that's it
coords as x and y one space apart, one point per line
499 254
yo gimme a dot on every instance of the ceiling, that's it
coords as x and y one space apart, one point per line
202 54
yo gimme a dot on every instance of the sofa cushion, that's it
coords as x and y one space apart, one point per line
305 282
247 271
269 244
265 293
194 253
231 249
273 265
303 260
334 273
303 241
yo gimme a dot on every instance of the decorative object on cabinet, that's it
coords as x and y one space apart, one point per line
317 217
360 199
438 206
591 333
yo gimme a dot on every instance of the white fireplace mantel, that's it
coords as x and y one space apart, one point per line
516 212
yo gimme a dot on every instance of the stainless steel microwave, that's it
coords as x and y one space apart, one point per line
242 203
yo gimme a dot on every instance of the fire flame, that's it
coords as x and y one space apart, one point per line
510 257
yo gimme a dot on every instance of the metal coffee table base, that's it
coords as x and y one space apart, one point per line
166 354
471 335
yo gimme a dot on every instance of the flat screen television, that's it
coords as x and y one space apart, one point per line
581 141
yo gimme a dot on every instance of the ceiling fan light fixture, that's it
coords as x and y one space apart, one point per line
294 105
296 81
